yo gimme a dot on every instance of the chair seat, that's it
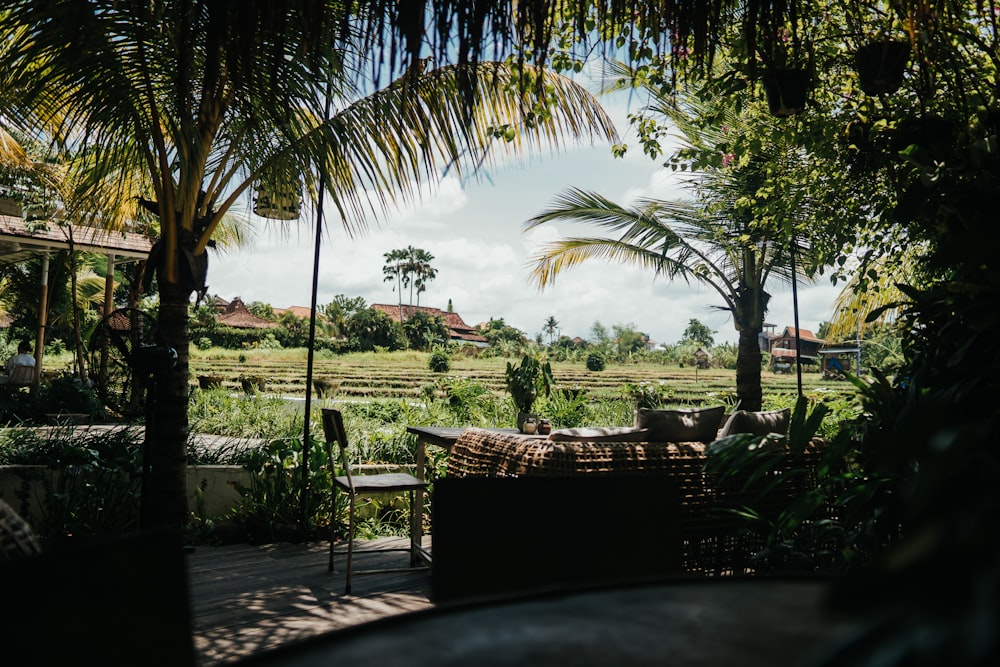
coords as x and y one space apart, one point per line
391 481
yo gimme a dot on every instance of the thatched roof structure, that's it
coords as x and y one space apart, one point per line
238 317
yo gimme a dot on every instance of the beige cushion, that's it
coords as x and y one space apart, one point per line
600 434
682 425
757 423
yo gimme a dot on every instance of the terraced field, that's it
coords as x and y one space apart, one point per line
402 375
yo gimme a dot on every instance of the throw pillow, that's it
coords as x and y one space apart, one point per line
757 423
600 434
683 425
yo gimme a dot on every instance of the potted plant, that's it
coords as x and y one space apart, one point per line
253 383
525 382
325 387
210 381
880 65
786 89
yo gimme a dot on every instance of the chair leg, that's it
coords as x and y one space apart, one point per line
333 526
416 517
350 544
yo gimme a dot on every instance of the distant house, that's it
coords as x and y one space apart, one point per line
298 311
782 347
218 304
458 330
237 316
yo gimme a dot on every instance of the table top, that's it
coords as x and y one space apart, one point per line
445 436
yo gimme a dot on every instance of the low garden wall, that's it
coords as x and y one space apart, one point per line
217 484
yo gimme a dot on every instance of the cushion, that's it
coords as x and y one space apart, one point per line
600 434
682 425
757 423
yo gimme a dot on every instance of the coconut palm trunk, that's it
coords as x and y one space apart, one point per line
165 501
748 386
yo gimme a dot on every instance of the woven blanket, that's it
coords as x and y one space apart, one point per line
479 452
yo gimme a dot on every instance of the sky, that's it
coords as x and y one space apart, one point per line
475 231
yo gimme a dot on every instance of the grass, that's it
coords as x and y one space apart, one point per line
406 374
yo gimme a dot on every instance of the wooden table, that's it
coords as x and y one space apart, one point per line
438 436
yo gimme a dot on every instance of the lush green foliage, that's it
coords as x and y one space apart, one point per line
440 361
528 380
595 361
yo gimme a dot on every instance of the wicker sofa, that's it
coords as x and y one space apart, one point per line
708 537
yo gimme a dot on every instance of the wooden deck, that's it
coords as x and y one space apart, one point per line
249 599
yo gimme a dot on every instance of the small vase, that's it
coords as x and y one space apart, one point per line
522 417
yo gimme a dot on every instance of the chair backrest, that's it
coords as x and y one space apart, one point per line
21 375
333 429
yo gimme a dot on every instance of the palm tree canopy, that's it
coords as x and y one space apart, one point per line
211 99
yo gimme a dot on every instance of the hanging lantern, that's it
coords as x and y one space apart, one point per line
277 203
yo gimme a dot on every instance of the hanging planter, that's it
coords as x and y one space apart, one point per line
786 91
278 202
880 66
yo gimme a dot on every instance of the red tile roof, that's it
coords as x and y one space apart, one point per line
298 311
459 330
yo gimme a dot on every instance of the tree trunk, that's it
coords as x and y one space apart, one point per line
748 389
165 504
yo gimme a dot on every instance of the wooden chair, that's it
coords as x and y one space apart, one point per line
21 376
360 485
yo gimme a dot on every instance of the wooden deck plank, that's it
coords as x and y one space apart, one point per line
249 599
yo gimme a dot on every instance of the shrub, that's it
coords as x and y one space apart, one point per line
595 362
204 343
440 362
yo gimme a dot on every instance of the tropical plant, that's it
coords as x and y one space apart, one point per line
717 239
697 332
527 380
423 331
208 101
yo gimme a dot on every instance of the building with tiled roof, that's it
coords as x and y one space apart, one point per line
782 346
299 311
238 317
459 331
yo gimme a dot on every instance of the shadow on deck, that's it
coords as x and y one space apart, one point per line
250 599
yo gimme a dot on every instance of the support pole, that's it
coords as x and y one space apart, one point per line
795 313
109 285
304 488
43 320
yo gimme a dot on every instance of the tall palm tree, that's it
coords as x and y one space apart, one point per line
551 327
714 238
423 272
395 263
211 100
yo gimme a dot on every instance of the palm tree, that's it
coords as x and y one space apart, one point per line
714 238
423 272
393 271
678 240
210 101
551 327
